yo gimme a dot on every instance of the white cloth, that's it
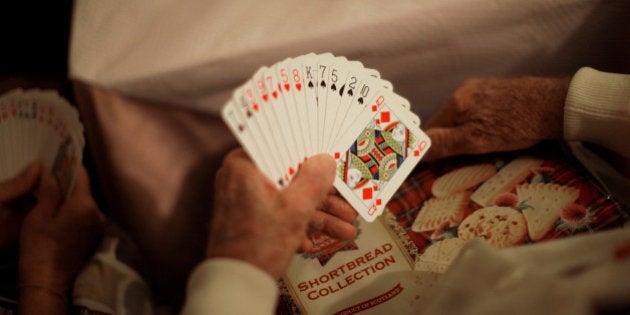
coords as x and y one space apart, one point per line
574 276
195 53
228 286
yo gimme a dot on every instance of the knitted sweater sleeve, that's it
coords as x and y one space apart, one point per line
597 109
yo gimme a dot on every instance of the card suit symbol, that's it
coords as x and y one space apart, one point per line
274 94
385 117
333 87
241 128
360 100
374 108
281 182
255 107
416 153
265 97
298 86
249 113
367 193
310 84
337 155
341 90
422 145
291 171
351 92
323 84
287 86
378 201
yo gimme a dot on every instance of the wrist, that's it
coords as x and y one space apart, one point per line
53 281
38 299
60 293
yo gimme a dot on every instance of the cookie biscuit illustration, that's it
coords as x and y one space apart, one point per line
500 226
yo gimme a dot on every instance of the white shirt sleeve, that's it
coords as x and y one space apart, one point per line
597 109
229 286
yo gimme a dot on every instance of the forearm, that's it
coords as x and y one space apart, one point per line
597 110
42 300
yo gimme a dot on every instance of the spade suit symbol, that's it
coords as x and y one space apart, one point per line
241 128
249 113
350 92
310 84
361 100
333 87
323 84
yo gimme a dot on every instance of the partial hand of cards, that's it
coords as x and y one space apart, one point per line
315 104
40 125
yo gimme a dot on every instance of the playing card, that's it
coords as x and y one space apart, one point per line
310 74
324 63
388 144
281 121
298 90
321 103
238 125
360 90
291 114
250 106
40 125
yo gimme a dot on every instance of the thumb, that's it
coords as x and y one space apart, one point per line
81 184
313 182
451 141
48 195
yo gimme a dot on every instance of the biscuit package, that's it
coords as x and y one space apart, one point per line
505 199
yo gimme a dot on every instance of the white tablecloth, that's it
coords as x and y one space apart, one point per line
193 53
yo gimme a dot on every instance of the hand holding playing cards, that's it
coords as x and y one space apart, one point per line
313 104
254 221
489 114
11 191
333 217
55 240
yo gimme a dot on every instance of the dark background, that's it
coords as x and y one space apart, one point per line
34 54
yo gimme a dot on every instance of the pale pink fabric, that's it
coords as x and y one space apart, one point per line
156 166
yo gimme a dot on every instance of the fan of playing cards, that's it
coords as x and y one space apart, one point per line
315 104
40 125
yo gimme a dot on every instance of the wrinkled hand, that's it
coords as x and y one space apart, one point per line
333 217
490 115
11 215
56 240
255 222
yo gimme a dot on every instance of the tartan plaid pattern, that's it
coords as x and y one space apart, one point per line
559 168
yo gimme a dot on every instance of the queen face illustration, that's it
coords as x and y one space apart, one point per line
398 132
354 177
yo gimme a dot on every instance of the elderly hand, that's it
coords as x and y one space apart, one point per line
11 191
490 114
56 240
333 217
255 222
